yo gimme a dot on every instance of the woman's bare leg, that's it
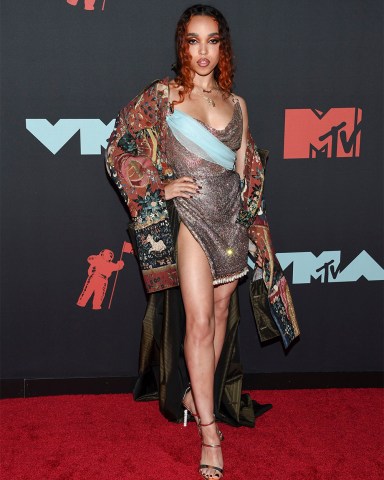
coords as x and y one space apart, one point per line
201 350
222 296
198 298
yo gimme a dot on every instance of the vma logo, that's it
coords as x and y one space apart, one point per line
93 133
326 267
311 133
88 4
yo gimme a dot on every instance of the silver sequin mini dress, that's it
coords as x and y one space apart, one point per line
211 215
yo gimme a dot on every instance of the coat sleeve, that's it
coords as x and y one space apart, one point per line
131 153
271 289
255 160
134 162
270 295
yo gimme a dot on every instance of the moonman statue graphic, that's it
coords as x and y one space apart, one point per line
99 271
88 4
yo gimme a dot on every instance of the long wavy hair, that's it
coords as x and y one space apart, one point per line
224 71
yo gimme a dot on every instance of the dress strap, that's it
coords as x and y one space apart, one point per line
234 99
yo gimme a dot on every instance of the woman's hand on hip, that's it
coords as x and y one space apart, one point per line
184 187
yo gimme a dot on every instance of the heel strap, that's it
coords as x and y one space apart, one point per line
187 409
188 389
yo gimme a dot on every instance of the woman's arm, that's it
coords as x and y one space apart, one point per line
129 164
130 156
240 154
251 170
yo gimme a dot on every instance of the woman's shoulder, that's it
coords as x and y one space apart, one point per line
174 89
143 110
150 93
241 100
243 106
158 85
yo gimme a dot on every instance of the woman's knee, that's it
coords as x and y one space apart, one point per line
200 328
221 308
222 298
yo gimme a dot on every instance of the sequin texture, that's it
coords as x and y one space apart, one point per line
211 214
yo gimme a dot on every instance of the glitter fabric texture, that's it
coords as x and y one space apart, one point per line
211 215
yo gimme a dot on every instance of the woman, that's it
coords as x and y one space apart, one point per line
182 149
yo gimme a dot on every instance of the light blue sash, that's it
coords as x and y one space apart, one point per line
199 140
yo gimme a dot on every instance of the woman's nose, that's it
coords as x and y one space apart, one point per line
202 48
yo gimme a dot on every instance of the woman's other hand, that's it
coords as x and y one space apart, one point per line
184 187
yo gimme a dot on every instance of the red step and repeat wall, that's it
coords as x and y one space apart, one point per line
311 73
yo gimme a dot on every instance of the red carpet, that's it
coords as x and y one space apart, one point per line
308 435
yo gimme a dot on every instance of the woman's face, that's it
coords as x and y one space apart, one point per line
202 35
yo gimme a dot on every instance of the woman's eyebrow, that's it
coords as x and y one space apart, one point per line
196 34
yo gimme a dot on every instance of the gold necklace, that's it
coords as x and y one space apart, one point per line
208 99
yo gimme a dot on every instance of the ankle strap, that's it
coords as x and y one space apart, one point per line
207 424
212 445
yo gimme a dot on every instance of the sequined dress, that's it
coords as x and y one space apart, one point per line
211 214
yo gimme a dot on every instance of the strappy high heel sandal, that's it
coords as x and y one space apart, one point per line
188 409
218 431
218 471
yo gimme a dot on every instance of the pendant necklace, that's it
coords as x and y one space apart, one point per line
207 99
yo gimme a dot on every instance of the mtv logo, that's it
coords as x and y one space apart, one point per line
311 133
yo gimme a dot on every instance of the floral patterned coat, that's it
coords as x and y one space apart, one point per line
137 163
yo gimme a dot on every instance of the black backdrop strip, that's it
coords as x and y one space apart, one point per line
61 62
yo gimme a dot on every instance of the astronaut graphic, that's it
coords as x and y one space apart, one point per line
100 269
88 4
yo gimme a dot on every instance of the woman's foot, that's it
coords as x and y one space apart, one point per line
211 465
189 404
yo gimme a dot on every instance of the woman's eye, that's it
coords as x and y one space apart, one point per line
192 41
214 41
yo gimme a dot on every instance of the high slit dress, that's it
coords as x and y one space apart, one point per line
210 217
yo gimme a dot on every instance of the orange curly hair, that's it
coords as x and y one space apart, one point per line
224 71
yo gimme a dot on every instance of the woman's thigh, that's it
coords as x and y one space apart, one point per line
195 276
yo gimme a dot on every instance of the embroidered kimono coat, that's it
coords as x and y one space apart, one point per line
137 163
